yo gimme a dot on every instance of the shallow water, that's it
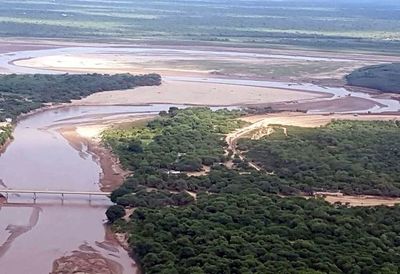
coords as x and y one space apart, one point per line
382 105
7 58
33 235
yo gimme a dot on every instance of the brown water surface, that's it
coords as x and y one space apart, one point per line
34 235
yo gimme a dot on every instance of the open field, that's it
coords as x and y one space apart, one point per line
286 65
337 24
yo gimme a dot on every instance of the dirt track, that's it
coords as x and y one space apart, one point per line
303 120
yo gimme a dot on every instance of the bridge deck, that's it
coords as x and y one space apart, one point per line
59 192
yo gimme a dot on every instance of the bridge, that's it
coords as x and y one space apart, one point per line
53 192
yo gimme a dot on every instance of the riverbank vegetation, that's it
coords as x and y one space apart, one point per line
231 220
23 93
353 157
180 140
159 154
385 78
5 134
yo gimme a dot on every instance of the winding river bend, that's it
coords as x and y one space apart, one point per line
40 158
34 235
380 105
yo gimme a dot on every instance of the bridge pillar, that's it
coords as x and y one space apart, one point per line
34 196
62 197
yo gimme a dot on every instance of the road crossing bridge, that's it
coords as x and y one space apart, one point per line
62 193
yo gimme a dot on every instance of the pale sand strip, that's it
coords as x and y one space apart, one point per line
315 120
192 93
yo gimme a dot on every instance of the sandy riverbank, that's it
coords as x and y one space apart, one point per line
193 93
88 136
278 64
207 61
112 174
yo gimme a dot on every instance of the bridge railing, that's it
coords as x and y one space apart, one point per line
53 192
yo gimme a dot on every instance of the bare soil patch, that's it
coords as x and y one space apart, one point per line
193 93
358 200
88 263
312 120
345 104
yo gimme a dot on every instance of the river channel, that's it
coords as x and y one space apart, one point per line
7 62
33 235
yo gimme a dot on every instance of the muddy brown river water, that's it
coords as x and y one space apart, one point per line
34 235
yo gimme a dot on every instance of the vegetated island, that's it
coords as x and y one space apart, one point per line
385 78
26 92
197 210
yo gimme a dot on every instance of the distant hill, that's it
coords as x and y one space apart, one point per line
385 78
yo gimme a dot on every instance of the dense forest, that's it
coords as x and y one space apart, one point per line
159 153
231 220
180 140
385 78
353 157
253 233
23 93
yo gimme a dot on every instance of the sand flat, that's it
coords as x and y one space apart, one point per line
192 93
313 120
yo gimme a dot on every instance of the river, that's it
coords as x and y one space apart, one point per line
381 104
33 235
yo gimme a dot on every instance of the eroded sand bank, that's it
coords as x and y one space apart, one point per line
89 136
